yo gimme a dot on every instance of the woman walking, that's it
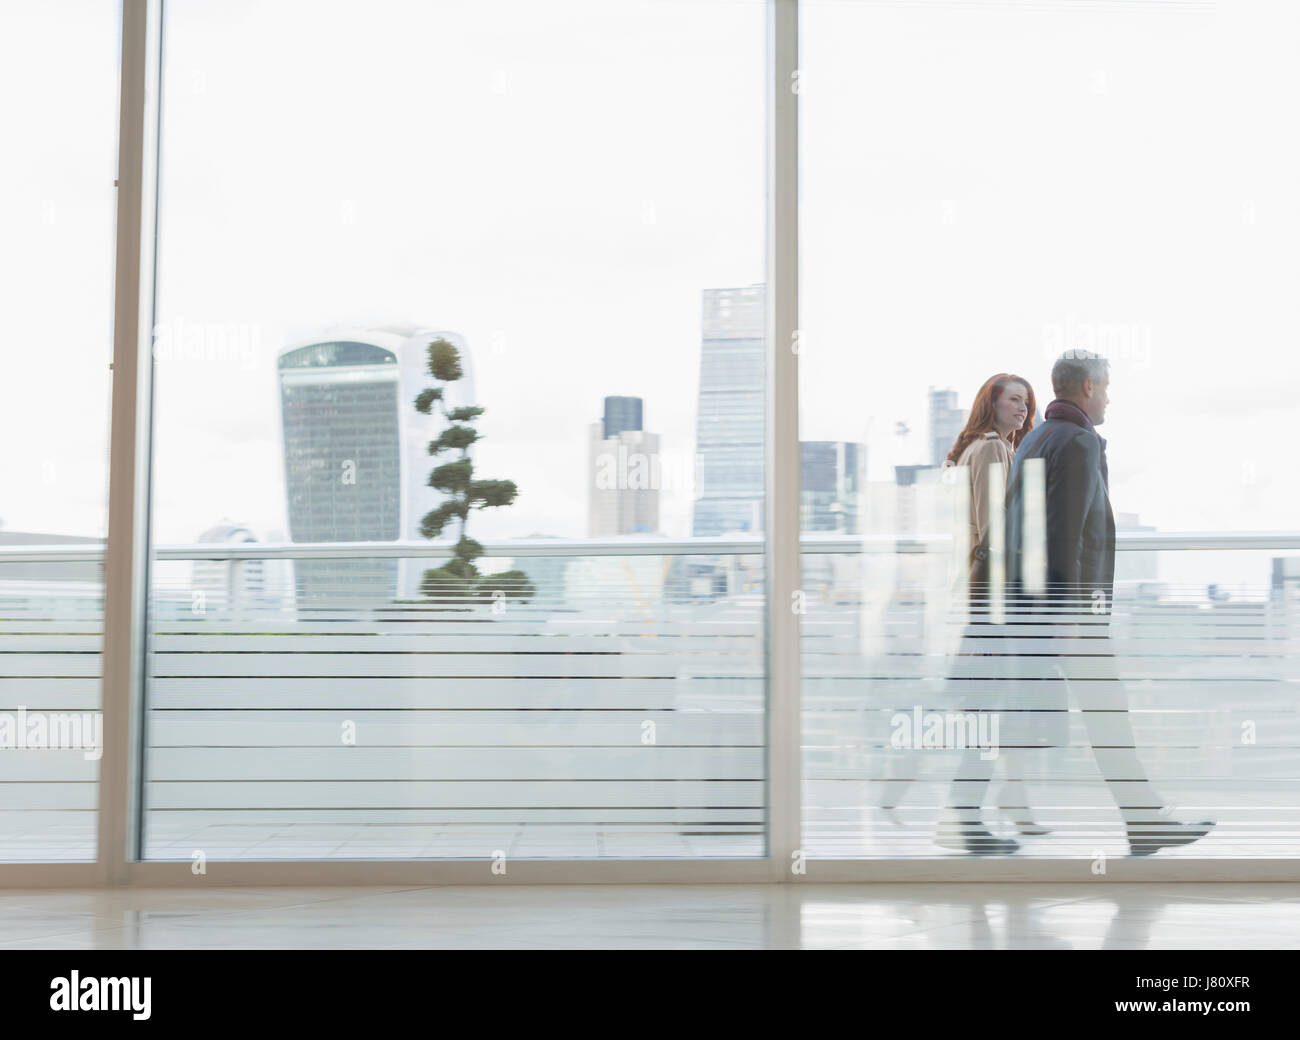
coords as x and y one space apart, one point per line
1000 417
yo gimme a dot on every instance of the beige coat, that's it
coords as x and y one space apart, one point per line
978 456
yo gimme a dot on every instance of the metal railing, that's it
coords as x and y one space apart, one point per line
741 544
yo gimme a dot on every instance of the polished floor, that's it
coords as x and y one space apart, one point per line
539 917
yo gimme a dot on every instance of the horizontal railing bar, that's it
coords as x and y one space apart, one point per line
733 545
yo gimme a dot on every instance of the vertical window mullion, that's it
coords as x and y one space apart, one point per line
782 437
126 552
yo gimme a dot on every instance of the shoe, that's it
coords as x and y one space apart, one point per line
1019 815
1025 825
973 838
1149 836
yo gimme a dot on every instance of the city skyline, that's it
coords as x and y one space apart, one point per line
949 251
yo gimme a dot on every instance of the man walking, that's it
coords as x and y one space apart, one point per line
1075 597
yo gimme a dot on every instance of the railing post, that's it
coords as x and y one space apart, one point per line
237 571
782 438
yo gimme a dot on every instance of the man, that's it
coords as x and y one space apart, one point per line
1079 582
1079 523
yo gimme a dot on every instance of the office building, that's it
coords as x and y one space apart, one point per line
624 472
833 478
946 422
621 413
729 420
356 453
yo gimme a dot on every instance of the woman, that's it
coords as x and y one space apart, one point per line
999 420
1000 417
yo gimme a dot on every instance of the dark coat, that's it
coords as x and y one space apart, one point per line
1080 526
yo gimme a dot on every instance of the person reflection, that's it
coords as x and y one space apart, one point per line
1001 417
1070 599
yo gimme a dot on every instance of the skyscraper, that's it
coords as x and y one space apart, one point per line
946 422
621 413
833 474
729 420
355 453
229 584
624 475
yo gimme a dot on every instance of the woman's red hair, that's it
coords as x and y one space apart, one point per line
981 413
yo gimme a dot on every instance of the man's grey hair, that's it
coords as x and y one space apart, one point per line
1073 367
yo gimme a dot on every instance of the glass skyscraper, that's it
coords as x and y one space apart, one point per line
833 476
729 420
621 413
355 454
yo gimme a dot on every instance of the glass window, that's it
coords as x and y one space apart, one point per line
59 75
984 189
559 207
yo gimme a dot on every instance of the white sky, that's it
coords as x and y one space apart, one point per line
565 178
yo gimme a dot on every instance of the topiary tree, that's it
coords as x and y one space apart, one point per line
460 579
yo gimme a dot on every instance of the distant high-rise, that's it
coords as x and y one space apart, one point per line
946 422
622 413
229 583
356 452
833 475
729 420
624 474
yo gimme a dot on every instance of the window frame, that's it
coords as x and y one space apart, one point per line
126 566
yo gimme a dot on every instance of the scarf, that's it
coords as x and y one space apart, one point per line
1071 412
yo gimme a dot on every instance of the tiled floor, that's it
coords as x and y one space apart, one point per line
783 916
